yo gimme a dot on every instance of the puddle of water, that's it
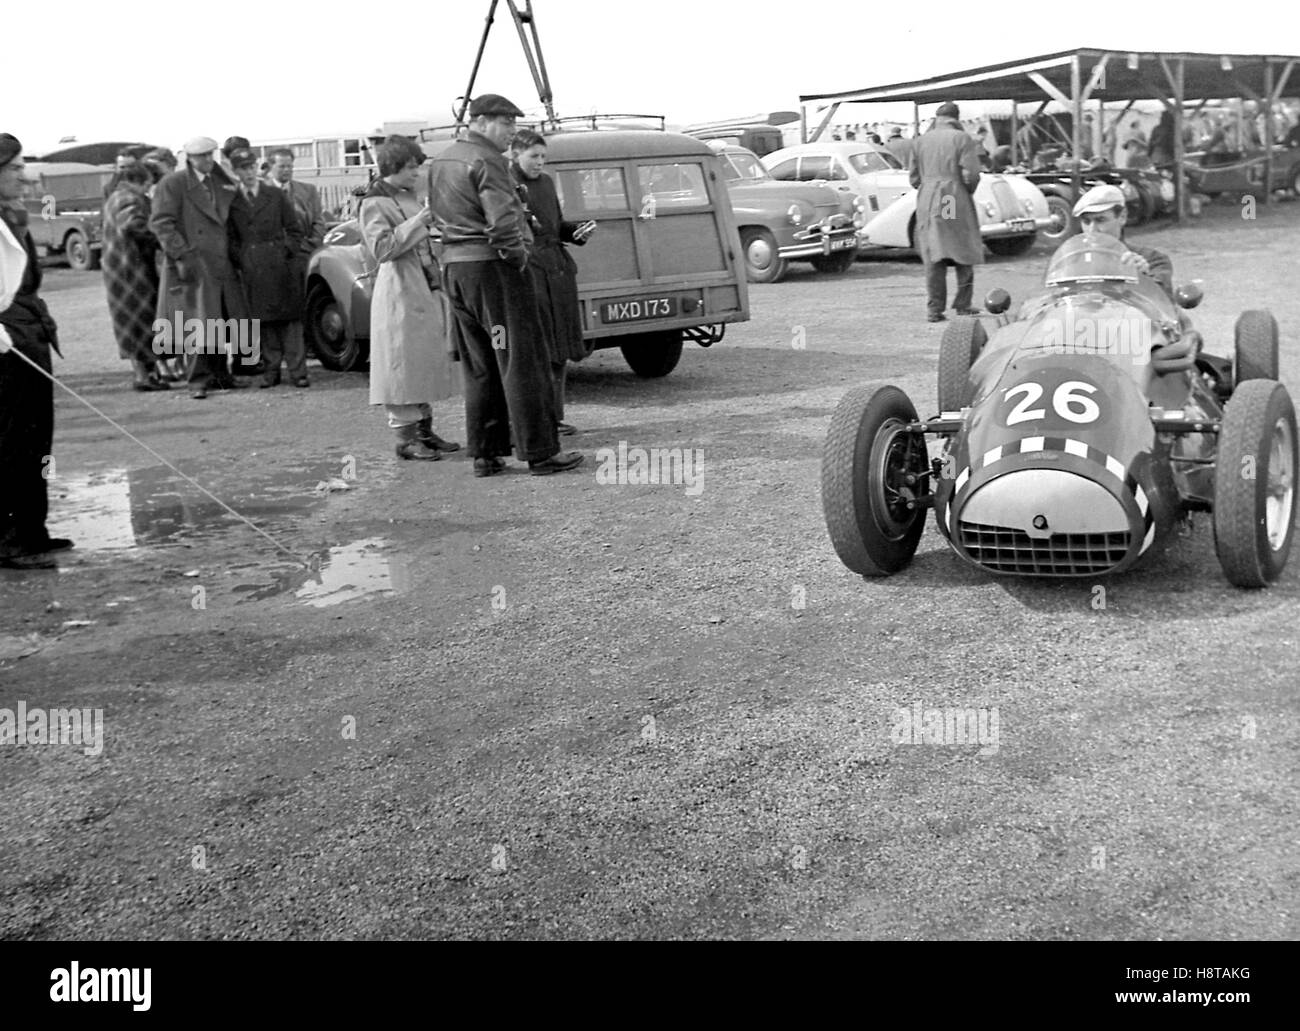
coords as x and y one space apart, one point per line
128 508
361 569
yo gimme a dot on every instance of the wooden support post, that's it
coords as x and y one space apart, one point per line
1266 109
1076 135
1015 132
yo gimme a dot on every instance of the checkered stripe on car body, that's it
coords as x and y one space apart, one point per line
1070 446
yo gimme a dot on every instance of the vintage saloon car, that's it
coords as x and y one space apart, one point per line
1076 438
664 265
869 172
784 222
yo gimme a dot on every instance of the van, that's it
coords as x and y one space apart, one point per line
664 266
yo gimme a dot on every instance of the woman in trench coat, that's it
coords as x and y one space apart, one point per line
555 274
410 360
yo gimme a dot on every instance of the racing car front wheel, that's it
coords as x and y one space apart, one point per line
873 481
1254 484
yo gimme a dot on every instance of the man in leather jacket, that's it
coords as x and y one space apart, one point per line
499 337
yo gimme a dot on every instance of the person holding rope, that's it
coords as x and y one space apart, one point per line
26 397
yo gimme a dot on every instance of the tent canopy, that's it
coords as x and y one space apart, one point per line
1126 75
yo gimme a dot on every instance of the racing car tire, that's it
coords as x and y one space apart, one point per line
1011 246
868 451
963 340
763 263
1255 346
1254 484
652 355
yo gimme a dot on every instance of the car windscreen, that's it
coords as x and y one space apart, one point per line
1090 258
745 166
872 161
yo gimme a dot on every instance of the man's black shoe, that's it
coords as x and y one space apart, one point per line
488 466
968 311
27 562
561 461
936 318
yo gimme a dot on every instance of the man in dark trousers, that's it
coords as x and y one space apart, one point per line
484 257
946 170
270 240
26 397
191 218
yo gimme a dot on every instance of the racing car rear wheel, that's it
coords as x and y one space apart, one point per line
1255 339
1011 246
872 511
963 340
1254 484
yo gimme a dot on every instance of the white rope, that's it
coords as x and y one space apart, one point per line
188 479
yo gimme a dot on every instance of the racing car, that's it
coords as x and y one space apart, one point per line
1074 440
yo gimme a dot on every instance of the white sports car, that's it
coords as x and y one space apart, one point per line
1011 209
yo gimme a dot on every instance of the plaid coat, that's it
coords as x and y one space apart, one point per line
130 271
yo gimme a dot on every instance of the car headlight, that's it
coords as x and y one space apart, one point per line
859 212
794 215
991 209
1029 206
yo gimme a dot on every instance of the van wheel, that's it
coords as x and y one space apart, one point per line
763 263
327 331
81 256
651 355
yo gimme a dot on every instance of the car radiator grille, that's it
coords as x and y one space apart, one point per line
1006 550
1006 198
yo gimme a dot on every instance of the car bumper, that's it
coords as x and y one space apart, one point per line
1016 226
821 244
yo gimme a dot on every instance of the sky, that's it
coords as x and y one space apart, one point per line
322 67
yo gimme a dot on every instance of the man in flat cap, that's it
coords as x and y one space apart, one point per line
191 218
26 397
1103 210
499 336
945 170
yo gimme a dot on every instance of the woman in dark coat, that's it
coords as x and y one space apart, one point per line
555 275
131 274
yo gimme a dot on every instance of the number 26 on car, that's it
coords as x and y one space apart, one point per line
1069 401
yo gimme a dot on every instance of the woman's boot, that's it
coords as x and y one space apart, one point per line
409 444
431 440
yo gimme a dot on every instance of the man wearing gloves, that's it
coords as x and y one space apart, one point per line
502 347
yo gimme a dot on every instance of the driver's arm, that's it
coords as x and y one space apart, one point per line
1157 266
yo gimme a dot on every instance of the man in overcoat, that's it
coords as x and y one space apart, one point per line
270 243
503 349
26 397
191 218
945 170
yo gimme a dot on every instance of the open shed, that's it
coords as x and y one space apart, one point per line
1074 77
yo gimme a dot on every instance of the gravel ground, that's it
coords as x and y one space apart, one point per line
562 709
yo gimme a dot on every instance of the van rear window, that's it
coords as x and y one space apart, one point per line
590 191
674 186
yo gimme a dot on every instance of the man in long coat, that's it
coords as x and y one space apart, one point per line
503 349
26 397
270 244
946 170
191 218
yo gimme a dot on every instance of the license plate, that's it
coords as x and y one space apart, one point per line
638 310
845 243
1022 225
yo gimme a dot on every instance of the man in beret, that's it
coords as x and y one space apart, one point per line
191 218
26 397
945 170
500 340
